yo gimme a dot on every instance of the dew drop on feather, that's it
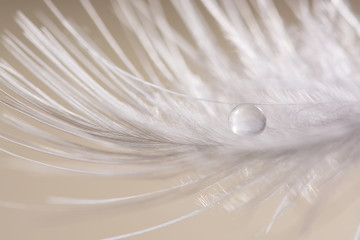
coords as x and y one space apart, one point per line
247 120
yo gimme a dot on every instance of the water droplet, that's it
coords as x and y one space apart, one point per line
247 120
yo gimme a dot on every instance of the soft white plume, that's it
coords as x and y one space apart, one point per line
153 98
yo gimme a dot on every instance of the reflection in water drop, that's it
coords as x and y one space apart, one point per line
247 120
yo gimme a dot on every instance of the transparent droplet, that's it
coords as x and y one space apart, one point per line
247 120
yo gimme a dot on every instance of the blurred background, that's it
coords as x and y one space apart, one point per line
25 187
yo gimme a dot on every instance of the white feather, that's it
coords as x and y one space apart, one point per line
153 99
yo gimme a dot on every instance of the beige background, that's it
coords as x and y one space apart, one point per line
334 220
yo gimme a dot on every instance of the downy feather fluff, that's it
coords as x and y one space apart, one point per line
151 96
